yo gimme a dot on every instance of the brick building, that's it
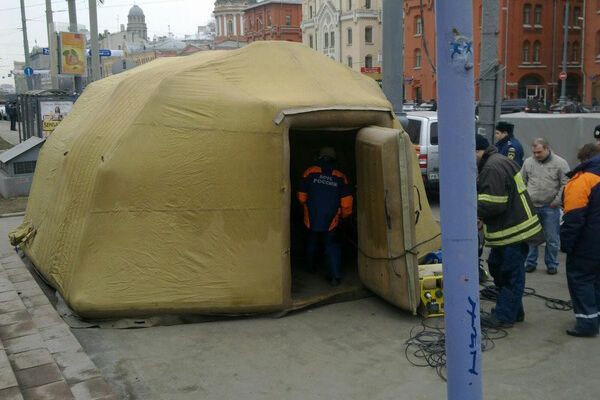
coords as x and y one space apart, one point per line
530 44
274 20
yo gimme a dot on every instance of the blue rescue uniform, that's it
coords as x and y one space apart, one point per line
511 148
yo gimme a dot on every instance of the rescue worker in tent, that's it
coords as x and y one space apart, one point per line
509 225
507 144
579 239
326 197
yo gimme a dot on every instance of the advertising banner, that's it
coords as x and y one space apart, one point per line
51 113
72 53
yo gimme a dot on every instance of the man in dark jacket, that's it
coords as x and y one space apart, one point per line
11 110
579 238
326 197
510 224
507 144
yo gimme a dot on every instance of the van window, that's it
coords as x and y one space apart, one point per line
433 135
414 130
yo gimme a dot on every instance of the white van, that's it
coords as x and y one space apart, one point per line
423 132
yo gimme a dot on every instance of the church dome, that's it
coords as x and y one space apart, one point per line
135 11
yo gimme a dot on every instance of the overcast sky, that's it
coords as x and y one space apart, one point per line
183 16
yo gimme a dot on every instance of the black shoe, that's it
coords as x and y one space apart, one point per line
552 271
520 315
530 268
576 333
495 323
334 282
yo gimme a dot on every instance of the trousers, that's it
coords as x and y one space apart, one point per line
583 279
331 248
507 267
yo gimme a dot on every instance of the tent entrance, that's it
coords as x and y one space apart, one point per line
312 287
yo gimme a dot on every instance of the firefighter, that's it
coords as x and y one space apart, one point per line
326 197
579 235
507 144
509 225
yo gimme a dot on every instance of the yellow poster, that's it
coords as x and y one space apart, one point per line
73 57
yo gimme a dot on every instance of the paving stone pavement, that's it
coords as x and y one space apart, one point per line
40 359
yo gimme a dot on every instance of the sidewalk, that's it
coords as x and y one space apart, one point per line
11 137
39 356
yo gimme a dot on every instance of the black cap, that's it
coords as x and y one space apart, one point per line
507 127
597 132
481 143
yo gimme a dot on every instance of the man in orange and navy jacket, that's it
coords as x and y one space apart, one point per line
326 197
580 237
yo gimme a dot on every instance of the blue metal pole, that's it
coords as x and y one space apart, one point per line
458 197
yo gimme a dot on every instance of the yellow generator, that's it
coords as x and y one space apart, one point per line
432 290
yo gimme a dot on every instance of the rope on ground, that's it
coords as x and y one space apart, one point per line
490 292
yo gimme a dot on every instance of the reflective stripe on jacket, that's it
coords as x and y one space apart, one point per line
580 230
326 197
503 203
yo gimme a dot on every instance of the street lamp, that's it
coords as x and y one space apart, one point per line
563 83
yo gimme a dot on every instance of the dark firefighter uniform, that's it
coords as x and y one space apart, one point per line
509 224
326 196
580 238
509 147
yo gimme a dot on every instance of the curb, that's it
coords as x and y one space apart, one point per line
17 214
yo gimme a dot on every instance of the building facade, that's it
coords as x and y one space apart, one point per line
530 47
348 31
229 15
274 20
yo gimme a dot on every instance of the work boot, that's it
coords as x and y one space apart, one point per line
494 323
552 271
520 314
576 333
530 268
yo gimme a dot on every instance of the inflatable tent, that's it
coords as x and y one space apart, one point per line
169 188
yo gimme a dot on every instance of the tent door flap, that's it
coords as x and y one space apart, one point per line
385 217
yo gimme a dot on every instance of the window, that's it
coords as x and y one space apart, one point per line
418 26
414 131
598 44
369 34
575 53
576 16
332 36
433 133
24 167
417 58
349 4
269 22
350 62
229 27
537 15
527 14
311 12
326 40
310 41
369 61
536 51
367 4
526 52
349 32
288 20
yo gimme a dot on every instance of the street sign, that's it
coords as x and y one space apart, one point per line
101 52
562 76
28 71
46 51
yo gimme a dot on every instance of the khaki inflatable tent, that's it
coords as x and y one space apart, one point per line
170 188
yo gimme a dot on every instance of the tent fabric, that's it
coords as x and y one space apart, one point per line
164 189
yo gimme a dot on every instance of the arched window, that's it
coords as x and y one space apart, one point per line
536 51
537 15
229 27
527 14
326 40
526 52
418 25
575 53
369 61
417 58
332 37
349 4
367 4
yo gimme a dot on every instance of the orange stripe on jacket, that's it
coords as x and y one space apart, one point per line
302 197
346 204
578 190
312 170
